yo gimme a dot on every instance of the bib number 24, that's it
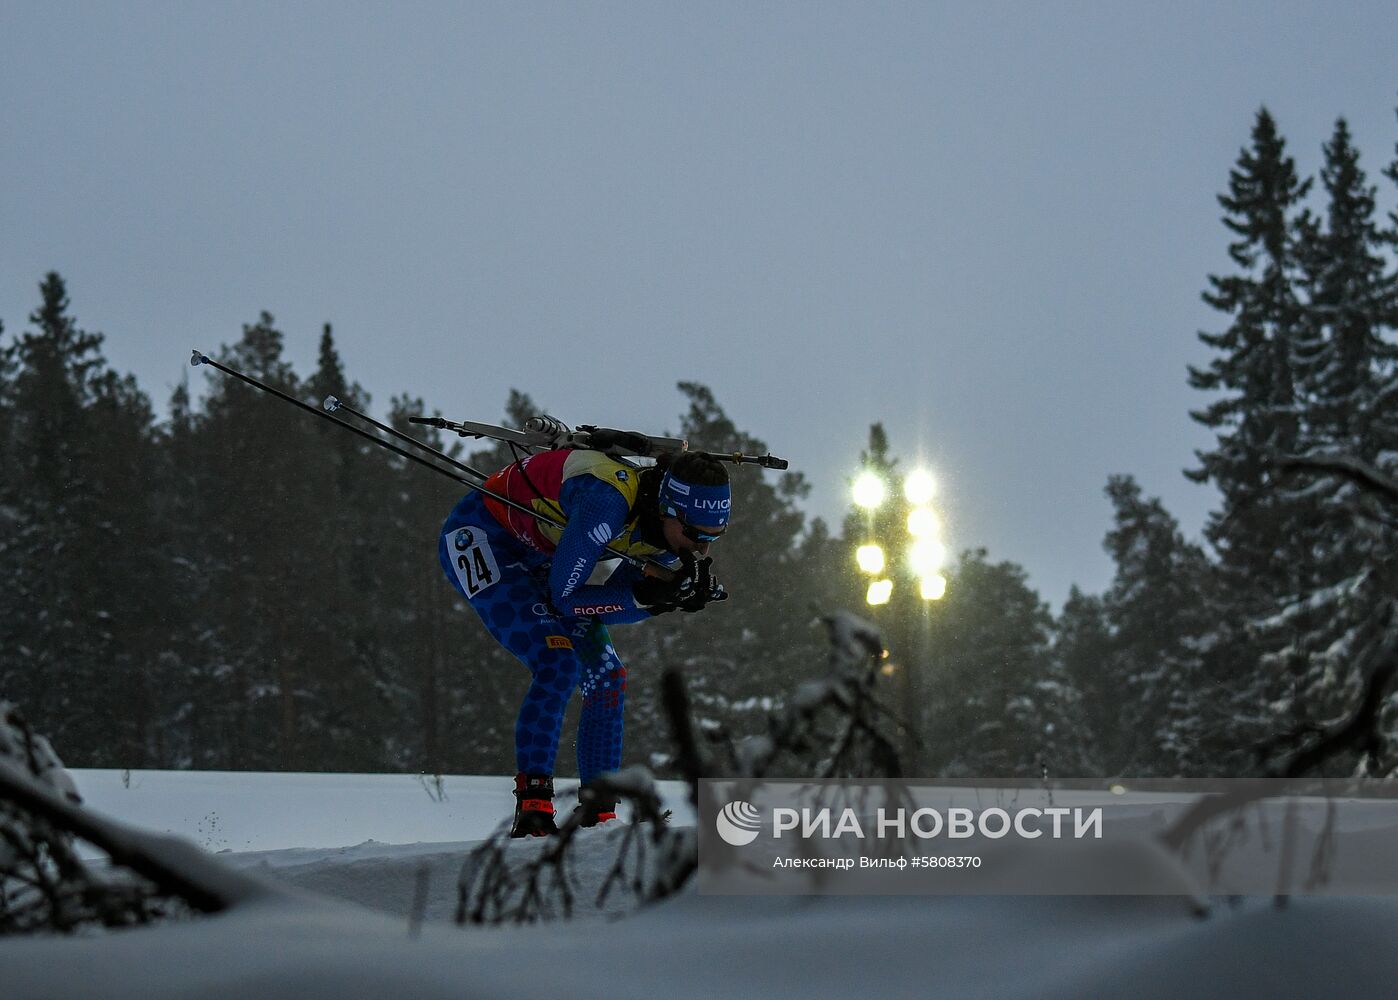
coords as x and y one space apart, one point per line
473 561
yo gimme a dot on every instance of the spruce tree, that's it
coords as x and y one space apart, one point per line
197 697
345 675
1257 416
997 705
460 690
1159 615
80 587
1346 369
257 507
1083 649
1261 535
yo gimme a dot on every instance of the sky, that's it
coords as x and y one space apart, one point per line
984 225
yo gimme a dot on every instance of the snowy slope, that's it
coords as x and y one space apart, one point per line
258 811
306 945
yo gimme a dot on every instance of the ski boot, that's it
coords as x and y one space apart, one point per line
533 806
593 809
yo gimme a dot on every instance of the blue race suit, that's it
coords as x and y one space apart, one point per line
548 595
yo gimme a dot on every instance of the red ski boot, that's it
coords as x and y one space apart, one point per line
533 806
593 809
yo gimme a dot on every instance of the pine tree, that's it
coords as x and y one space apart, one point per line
197 694
345 673
9 485
8 365
1257 417
1159 616
257 510
78 583
1351 295
1329 629
1261 535
1083 650
998 707
1391 172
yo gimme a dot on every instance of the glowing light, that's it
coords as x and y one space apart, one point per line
919 487
926 556
869 490
934 587
879 592
870 558
924 523
887 669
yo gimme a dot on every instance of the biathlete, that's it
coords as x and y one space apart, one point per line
548 595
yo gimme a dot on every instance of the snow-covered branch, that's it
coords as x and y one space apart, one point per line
1346 467
44 882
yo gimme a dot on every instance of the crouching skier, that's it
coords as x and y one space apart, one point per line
547 595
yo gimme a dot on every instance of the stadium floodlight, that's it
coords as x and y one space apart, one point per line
919 487
926 556
934 587
879 592
924 523
870 558
869 490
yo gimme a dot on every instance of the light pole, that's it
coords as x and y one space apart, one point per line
900 591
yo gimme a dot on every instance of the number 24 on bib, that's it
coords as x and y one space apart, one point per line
473 561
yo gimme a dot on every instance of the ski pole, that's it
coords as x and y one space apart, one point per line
203 359
199 358
334 405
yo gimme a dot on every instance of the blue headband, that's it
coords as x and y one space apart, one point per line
707 506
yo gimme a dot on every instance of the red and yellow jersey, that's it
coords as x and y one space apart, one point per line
551 482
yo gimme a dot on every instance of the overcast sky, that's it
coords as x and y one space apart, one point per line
985 225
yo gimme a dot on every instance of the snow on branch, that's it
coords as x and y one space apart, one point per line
1346 467
495 888
1360 731
45 884
1316 601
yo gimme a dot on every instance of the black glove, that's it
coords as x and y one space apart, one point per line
658 592
706 589
691 589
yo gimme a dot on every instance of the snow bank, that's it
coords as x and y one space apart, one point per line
297 946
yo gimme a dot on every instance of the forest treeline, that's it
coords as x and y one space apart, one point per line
239 586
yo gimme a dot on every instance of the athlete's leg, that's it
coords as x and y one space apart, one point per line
513 607
603 683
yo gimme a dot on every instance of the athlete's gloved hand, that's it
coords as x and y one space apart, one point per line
706 589
659 592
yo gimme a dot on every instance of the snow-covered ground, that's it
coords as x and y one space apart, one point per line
369 839
364 838
257 811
